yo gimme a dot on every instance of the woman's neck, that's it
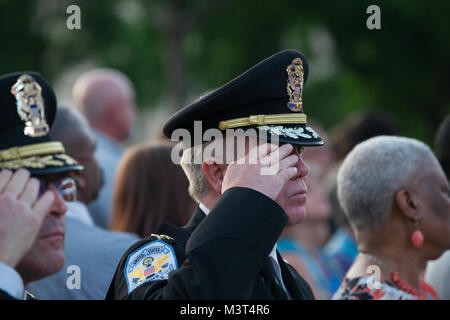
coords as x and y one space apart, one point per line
407 264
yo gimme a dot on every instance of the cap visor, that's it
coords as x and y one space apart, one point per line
45 164
298 134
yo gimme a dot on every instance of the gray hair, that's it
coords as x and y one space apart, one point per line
372 173
198 185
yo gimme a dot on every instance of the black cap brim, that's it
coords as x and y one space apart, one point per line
43 164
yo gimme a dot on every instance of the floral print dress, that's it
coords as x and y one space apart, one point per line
366 288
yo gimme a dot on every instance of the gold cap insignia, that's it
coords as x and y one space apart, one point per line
30 106
295 85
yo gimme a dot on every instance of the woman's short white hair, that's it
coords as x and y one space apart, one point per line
373 171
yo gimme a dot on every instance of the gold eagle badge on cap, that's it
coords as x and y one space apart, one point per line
30 106
295 85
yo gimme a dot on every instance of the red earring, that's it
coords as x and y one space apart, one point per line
417 237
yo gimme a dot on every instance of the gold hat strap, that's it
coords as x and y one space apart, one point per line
36 149
263 119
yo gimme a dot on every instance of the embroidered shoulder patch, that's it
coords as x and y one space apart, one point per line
151 262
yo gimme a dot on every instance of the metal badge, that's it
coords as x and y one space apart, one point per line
295 85
30 106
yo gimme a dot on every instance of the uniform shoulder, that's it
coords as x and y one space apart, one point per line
153 237
148 260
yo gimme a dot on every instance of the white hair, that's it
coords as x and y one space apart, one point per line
373 171
198 185
220 149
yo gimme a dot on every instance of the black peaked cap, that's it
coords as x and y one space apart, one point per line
47 157
260 90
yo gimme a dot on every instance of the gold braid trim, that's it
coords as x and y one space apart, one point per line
67 159
39 162
37 149
263 119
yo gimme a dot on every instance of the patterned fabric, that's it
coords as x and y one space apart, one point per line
365 288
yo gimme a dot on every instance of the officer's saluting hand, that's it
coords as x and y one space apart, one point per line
278 160
21 214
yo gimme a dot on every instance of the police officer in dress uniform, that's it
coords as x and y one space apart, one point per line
28 108
228 249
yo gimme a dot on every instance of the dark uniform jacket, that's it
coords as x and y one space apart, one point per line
5 296
223 256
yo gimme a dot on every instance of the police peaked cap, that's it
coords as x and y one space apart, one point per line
267 97
25 143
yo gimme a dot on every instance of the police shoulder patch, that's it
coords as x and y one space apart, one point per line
153 261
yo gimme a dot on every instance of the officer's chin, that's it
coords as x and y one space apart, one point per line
296 214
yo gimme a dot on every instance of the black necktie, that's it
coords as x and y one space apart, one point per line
279 278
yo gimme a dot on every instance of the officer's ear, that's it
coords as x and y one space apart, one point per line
214 171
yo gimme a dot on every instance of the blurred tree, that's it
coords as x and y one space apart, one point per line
173 20
174 50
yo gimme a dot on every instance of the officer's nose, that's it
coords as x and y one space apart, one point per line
302 168
58 207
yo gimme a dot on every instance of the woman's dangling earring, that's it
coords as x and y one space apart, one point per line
417 236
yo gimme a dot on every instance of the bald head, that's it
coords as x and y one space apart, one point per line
106 98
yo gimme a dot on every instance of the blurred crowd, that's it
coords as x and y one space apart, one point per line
125 192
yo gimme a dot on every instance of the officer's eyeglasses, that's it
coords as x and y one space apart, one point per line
299 150
66 187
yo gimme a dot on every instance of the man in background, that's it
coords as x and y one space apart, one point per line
92 253
106 98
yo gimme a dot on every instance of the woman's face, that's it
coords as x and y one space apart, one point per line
435 207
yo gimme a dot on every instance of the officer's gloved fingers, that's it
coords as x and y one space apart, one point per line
290 161
42 206
288 173
265 149
275 168
277 154
17 182
5 176
31 192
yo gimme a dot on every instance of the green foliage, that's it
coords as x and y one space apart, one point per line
179 49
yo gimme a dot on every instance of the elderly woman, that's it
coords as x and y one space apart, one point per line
396 197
